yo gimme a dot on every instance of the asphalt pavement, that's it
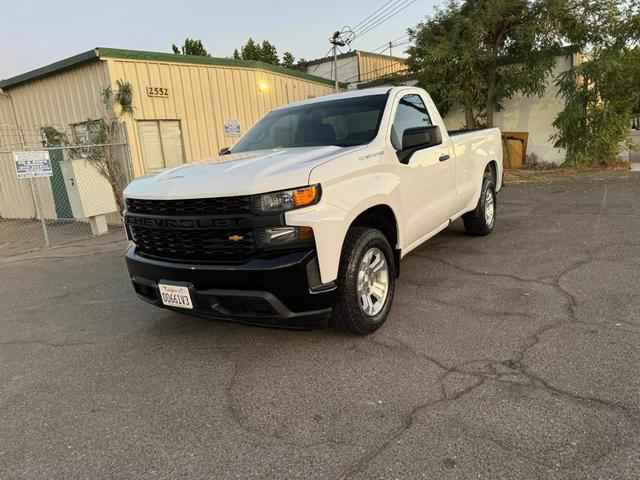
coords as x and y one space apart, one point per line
513 356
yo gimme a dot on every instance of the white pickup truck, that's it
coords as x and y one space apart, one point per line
305 220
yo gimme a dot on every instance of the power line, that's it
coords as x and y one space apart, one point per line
390 15
366 19
395 40
398 8
390 70
386 46
378 14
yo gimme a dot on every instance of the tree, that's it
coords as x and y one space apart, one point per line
601 92
269 53
250 51
191 47
288 60
475 54
265 52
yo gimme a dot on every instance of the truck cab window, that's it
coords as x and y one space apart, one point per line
411 113
344 123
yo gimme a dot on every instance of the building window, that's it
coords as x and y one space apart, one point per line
90 132
161 142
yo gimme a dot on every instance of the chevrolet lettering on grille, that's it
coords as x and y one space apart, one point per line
202 223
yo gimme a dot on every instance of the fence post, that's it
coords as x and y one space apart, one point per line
36 201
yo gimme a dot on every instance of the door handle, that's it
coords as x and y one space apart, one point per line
444 158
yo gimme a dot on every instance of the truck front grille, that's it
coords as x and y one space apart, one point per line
211 230
198 206
202 246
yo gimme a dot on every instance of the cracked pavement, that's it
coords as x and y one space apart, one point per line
513 356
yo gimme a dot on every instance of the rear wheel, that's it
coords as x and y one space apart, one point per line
366 282
482 219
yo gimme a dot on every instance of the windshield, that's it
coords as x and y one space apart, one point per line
345 123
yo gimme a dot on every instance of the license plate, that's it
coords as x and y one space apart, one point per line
175 296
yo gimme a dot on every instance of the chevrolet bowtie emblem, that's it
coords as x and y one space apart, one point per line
236 238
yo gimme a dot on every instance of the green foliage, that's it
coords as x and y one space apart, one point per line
601 93
269 53
475 54
54 137
191 46
250 51
265 52
123 96
288 60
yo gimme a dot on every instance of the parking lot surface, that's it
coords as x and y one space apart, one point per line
514 356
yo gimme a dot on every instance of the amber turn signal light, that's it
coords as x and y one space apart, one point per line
305 196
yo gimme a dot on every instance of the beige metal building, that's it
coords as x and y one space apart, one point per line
185 108
357 66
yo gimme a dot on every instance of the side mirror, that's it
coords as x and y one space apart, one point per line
421 137
224 151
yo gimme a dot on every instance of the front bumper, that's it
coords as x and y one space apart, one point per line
282 291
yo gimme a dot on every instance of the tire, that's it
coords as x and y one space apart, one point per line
480 222
349 313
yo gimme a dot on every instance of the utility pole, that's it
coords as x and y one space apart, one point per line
336 41
390 47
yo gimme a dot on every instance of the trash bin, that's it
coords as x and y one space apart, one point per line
514 148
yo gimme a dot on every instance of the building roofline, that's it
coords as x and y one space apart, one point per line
200 60
351 54
55 67
102 53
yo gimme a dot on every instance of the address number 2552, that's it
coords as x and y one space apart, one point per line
157 92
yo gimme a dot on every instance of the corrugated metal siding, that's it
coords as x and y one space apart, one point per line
58 101
16 200
6 114
202 97
69 97
374 66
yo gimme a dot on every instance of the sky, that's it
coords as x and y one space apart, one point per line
36 33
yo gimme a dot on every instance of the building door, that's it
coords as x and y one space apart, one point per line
161 143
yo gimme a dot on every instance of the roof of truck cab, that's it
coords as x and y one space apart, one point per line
366 92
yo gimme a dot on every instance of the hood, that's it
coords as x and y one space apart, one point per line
237 174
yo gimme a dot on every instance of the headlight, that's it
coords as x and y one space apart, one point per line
288 199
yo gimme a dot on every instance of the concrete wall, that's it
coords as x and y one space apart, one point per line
347 69
634 155
534 115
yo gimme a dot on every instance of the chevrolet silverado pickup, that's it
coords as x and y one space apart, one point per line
305 220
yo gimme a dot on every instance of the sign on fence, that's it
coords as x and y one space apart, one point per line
33 164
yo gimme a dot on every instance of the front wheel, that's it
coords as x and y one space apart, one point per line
482 219
366 282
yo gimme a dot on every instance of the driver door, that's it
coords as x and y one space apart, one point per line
427 176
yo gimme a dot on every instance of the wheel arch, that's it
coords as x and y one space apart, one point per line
383 218
492 167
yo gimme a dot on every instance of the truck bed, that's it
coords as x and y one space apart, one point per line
453 133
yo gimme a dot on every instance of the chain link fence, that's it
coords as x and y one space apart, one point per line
81 196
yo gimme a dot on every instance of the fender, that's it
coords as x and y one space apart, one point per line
342 202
